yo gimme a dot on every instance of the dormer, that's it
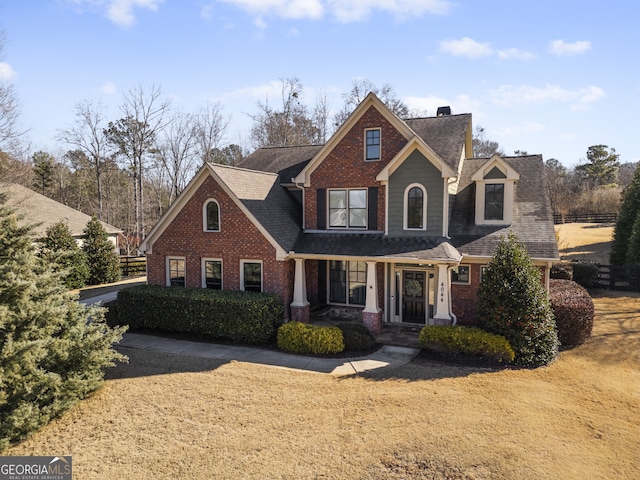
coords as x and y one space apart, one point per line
495 182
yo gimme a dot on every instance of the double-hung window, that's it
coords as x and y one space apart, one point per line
415 211
176 272
372 144
494 201
348 208
251 271
212 274
211 214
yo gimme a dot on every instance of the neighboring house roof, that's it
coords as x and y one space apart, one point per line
532 215
43 211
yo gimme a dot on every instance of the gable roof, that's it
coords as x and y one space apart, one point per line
43 211
532 216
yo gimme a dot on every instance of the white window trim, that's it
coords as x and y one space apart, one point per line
507 205
242 262
204 215
348 207
405 213
167 271
203 271
379 145
458 282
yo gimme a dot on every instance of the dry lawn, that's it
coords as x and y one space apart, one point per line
171 417
585 241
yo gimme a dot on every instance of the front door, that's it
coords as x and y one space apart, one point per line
413 297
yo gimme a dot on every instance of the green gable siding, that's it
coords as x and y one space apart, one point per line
416 169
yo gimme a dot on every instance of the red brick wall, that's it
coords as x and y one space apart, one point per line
345 167
238 239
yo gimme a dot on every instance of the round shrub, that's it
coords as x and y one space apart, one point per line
585 273
561 271
456 340
573 309
357 337
298 337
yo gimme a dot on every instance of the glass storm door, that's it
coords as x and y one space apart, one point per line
413 297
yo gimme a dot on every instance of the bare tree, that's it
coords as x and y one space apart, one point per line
134 137
210 128
482 146
10 134
177 152
88 136
290 125
360 88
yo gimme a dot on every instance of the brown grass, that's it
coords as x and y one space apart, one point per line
585 241
168 417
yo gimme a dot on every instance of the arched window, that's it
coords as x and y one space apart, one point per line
211 214
415 208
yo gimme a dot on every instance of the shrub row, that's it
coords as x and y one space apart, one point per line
241 317
585 273
573 309
455 340
297 337
357 337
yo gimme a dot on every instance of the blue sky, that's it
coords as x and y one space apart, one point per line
549 77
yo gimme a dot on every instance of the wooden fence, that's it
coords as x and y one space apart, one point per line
619 277
585 218
132 266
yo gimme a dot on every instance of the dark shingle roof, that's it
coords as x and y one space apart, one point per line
532 216
445 134
286 161
376 245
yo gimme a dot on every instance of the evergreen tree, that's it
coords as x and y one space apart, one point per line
61 249
51 355
512 302
629 212
104 264
632 256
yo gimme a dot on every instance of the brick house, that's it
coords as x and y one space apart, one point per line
392 218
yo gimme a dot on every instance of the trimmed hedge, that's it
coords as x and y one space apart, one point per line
585 273
298 337
242 317
573 309
456 340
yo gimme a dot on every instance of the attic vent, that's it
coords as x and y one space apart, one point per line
443 111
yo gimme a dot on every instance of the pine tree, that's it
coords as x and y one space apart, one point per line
104 264
60 248
53 350
512 302
622 233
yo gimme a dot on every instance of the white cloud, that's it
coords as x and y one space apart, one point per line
343 10
109 88
121 13
6 72
515 54
510 95
466 47
561 48
459 104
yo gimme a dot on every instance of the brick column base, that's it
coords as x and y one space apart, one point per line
373 321
301 314
442 321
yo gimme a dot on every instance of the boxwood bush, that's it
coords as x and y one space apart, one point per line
573 309
241 317
357 337
298 337
457 340
585 273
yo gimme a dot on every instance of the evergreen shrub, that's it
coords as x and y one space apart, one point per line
357 337
512 302
459 340
242 317
561 271
573 310
585 273
298 337
60 249
103 261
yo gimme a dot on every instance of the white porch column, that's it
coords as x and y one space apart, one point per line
371 302
300 285
443 314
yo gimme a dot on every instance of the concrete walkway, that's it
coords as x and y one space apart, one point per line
387 356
